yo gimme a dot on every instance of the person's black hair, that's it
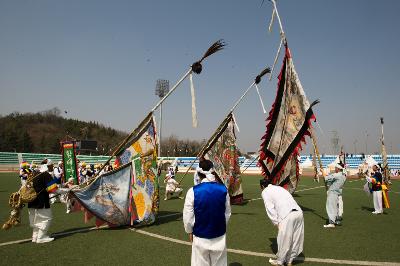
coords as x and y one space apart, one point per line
206 165
264 182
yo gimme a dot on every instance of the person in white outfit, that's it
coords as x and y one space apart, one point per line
286 214
334 183
172 188
58 172
205 218
40 215
376 181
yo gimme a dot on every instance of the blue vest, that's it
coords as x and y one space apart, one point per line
209 210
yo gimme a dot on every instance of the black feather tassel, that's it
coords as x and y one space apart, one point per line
217 46
265 71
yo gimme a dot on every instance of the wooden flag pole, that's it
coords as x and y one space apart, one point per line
282 34
196 67
215 134
250 164
314 141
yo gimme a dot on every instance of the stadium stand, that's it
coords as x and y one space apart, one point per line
12 158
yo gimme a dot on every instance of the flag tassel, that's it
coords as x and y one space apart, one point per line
194 111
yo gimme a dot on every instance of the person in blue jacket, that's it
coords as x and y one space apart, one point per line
205 217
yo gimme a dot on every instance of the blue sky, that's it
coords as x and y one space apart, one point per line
100 61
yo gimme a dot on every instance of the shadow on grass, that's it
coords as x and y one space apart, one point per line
244 213
305 209
274 245
299 259
235 264
167 216
73 231
368 209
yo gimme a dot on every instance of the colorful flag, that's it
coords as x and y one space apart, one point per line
69 161
107 198
128 195
141 150
288 122
221 149
51 187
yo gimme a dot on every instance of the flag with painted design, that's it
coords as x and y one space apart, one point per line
288 123
222 150
106 198
141 150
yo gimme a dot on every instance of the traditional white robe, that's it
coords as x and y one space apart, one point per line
340 205
57 172
335 184
205 252
171 188
285 213
376 198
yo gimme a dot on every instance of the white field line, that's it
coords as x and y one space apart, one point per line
268 255
236 251
55 234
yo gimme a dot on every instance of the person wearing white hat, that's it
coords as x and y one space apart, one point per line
334 184
58 171
376 182
39 210
172 188
43 165
206 213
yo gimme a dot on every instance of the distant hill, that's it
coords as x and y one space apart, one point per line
42 132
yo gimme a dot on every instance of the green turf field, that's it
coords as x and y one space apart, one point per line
363 236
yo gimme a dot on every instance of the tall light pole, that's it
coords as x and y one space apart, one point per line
366 142
162 88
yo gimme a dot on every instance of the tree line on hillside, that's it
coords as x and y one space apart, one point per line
42 132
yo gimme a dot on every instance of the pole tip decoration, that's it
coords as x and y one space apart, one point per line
265 71
382 120
215 47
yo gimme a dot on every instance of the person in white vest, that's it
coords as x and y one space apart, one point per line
205 218
287 216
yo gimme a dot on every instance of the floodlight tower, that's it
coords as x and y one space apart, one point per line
162 88
335 141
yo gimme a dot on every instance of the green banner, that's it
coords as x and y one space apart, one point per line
69 161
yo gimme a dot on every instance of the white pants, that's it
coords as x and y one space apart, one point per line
40 220
209 252
377 197
332 206
290 237
340 206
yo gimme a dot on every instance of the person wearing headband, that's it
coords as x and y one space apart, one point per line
287 216
334 183
172 188
206 214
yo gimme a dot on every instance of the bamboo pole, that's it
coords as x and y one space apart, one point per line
195 67
213 137
314 141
